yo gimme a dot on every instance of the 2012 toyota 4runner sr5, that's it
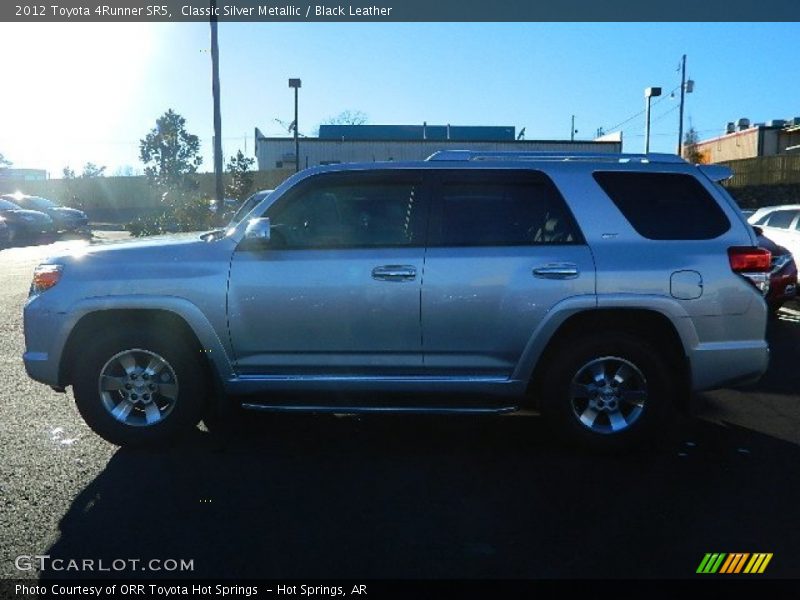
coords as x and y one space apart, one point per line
601 290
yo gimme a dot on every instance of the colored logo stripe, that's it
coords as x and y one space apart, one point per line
721 562
711 563
734 563
758 563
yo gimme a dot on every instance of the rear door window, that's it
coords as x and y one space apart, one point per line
665 206
490 208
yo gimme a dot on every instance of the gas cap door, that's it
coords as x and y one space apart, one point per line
686 285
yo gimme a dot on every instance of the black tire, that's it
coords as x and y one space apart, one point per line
177 415
643 397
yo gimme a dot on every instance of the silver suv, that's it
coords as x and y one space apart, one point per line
600 290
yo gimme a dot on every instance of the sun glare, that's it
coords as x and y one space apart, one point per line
70 82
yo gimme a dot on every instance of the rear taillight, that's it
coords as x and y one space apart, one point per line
749 259
45 277
752 263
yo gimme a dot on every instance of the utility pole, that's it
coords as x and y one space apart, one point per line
296 84
220 191
572 130
683 94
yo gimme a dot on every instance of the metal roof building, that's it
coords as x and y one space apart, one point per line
371 143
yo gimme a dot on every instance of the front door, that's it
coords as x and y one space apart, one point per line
337 291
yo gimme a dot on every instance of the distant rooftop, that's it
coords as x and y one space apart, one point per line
462 133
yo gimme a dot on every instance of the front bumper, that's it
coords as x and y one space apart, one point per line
73 225
43 342
40 368
30 229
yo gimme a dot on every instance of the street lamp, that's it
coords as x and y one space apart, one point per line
296 84
648 93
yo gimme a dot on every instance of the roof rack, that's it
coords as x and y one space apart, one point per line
477 155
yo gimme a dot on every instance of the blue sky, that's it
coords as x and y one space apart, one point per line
89 92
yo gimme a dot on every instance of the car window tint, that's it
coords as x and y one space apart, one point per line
762 219
664 206
38 203
348 215
503 214
781 218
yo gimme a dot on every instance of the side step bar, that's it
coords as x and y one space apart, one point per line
354 410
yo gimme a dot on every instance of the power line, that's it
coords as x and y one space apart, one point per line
662 115
641 112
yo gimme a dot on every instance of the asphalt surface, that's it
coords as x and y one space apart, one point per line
391 497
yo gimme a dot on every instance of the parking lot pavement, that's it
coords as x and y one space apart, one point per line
323 497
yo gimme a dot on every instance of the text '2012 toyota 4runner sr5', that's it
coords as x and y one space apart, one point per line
600 290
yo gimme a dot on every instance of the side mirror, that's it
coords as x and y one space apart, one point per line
758 230
257 233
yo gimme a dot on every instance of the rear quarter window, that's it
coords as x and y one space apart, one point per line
665 206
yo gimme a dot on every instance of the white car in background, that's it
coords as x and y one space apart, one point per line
781 224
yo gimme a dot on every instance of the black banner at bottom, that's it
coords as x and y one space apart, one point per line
375 589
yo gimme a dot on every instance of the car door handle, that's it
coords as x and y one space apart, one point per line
557 271
394 273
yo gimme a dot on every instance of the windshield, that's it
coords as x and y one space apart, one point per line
6 205
36 202
247 206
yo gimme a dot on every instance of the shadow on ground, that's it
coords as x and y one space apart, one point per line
328 497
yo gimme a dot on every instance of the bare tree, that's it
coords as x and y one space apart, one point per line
690 149
346 117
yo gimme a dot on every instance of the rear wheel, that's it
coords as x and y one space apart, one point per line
609 391
140 387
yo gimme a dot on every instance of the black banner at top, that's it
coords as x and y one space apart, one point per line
398 10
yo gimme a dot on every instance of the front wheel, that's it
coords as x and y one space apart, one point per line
609 391
139 387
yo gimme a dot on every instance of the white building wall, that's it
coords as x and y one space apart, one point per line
275 152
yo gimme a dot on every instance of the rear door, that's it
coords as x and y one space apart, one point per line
503 250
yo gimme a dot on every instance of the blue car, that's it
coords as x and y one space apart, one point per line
23 224
65 219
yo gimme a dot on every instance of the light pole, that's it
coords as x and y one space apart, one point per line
296 84
648 93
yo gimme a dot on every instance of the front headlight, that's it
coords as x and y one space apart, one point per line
44 277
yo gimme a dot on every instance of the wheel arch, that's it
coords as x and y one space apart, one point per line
202 339
652 325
